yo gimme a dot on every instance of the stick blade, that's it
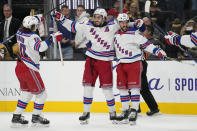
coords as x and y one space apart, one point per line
147 6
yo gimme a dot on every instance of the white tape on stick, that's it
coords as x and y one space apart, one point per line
147 6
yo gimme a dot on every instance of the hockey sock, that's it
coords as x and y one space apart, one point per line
125 99
110 99
25 97
135 98
39 103
87 98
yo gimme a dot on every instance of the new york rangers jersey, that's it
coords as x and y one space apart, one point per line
30 45
189 40
129 46
101 38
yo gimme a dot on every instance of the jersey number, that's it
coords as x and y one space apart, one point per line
22 50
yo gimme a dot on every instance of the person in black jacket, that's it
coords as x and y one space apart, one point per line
145 91
156 15
9 27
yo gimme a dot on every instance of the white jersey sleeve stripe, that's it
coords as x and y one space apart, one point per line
73 29
143 46
156 50
43 46
37 46
193 39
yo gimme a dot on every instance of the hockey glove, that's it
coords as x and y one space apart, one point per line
162 55
139 24
57 36
39 18
172 39
59 16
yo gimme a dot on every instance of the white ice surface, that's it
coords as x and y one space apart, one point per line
100 122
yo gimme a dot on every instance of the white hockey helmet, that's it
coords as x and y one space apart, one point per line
123 17
100 11
28 21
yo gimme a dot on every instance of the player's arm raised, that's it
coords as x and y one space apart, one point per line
137 24
70 25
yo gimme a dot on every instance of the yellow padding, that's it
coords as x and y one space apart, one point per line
101 107
15 48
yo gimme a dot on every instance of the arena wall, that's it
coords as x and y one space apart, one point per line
173 84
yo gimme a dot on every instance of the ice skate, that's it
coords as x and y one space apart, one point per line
39 121
123 118
84 119
132 116
112 117
18 121
153 113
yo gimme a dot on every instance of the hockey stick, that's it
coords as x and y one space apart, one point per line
60 50
147 13
5 41
58 40
44 15
173 59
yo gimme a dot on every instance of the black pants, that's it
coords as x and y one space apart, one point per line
145 92
10 50
79 54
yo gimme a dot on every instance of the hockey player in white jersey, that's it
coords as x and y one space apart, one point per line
128 47
27 73
100 52
185 40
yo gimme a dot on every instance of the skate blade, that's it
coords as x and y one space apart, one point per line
18 125
125 121
38 125
84 122
156 114
132 123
